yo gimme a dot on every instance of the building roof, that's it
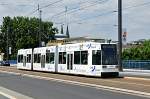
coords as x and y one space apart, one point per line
60 36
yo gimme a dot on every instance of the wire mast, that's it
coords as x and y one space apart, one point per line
120 34
40 19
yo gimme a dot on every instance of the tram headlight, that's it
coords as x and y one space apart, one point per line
104 66
117 66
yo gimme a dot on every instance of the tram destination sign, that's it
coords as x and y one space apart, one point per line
108 46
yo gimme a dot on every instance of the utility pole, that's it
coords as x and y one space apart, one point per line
120 34
7 48
66 9
40 15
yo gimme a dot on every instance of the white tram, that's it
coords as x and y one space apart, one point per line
88 58
44 59
24 59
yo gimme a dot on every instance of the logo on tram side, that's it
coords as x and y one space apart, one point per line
90 46
93 68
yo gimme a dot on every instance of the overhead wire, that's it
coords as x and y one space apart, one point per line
79 9
63 12
44 7
138 5
89 18
51 4
109 12
92 4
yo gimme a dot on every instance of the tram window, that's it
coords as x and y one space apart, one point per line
47 57
77 57
96 57
50 58
81 57
109 54
38 58
62 57
20 58
28 58
35 58
84 57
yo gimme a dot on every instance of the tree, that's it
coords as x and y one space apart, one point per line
140 52
23 33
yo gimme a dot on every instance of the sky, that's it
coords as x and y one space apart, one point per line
86 18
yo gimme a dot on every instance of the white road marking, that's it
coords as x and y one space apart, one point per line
12 94
6 95
113 89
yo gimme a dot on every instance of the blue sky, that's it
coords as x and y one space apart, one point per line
93 18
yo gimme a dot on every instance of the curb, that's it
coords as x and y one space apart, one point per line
137 78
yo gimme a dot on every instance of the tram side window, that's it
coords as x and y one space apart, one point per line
37 58
62 57
84 57
96 57
77 57
20 58
81 57
47 57
28 58
52 55
50 58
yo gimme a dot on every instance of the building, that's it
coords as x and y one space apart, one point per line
61 35
76 40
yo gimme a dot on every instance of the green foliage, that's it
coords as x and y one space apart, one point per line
140 52
23 33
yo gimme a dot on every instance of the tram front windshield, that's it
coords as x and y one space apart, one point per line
109 54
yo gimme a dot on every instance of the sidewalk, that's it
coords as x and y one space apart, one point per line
135 73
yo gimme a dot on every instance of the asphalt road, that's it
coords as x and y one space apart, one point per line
44 89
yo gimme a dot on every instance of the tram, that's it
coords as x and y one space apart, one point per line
24 59
87 58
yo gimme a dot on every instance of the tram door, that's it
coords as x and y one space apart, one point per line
24 61
69 61
43 61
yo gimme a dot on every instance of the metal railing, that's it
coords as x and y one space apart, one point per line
136 64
